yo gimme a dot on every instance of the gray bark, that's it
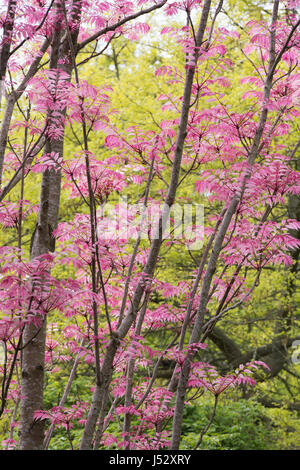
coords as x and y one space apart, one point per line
212 264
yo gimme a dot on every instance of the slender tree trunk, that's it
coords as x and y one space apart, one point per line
212 264
13 98
101 390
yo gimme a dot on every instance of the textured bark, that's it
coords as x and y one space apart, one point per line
31 431
33 357
33 364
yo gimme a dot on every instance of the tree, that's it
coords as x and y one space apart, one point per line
101 283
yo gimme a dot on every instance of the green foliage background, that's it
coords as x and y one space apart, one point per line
241 422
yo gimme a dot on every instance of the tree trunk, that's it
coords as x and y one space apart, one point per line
212 263
101 389
33 360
